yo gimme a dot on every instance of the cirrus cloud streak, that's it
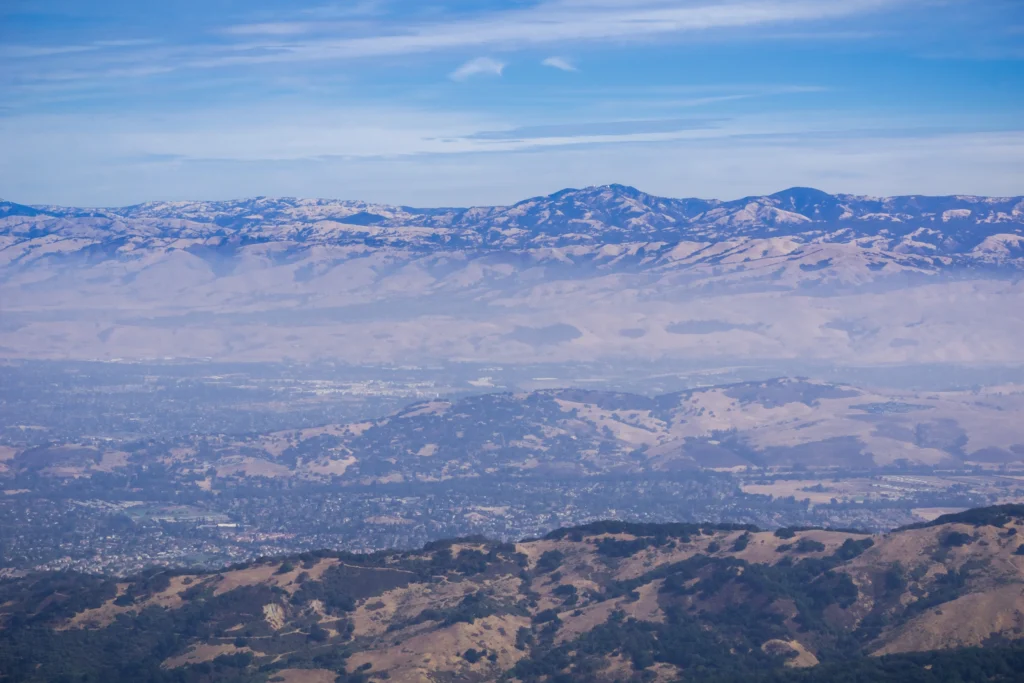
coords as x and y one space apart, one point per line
477 67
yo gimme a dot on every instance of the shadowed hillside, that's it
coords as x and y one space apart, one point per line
609 601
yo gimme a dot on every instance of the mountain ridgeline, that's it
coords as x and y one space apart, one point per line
613 214
577 434
608 601
580 275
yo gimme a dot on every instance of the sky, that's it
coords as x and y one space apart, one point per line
457 103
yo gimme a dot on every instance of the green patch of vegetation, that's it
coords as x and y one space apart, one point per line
674 530
851 549
341 586
472 607
611 547
946 587
549 561
524 638
565 590
996 515
681 641
741 543
968 665
806 545
954 539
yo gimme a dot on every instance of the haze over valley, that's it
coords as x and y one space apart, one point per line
580 275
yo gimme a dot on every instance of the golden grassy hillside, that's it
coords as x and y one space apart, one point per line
605 602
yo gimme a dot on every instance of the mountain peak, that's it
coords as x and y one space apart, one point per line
808 201
12 209
624 189
614 189
800 191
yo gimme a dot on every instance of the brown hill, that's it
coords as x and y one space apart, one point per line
604 602
781 423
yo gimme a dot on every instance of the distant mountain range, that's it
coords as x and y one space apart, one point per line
612 214
503 275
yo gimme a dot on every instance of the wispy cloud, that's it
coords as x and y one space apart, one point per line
546 23
478 67
566 20
984 163
285 28
348 9
285 134
37 51
559 63
596 129
30 51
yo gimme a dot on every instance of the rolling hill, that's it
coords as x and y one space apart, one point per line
609 601
783 423
780 424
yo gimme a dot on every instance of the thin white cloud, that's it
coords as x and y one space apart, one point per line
285 135
30 51
346 10
290 28
44 51
477 67
980 163
132 42
547 23
566 20
560 63
555 22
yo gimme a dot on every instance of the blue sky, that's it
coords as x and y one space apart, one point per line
459 103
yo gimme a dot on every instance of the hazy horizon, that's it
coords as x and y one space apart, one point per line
470 205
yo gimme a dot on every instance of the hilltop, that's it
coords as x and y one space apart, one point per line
609 601
606 214
774 425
